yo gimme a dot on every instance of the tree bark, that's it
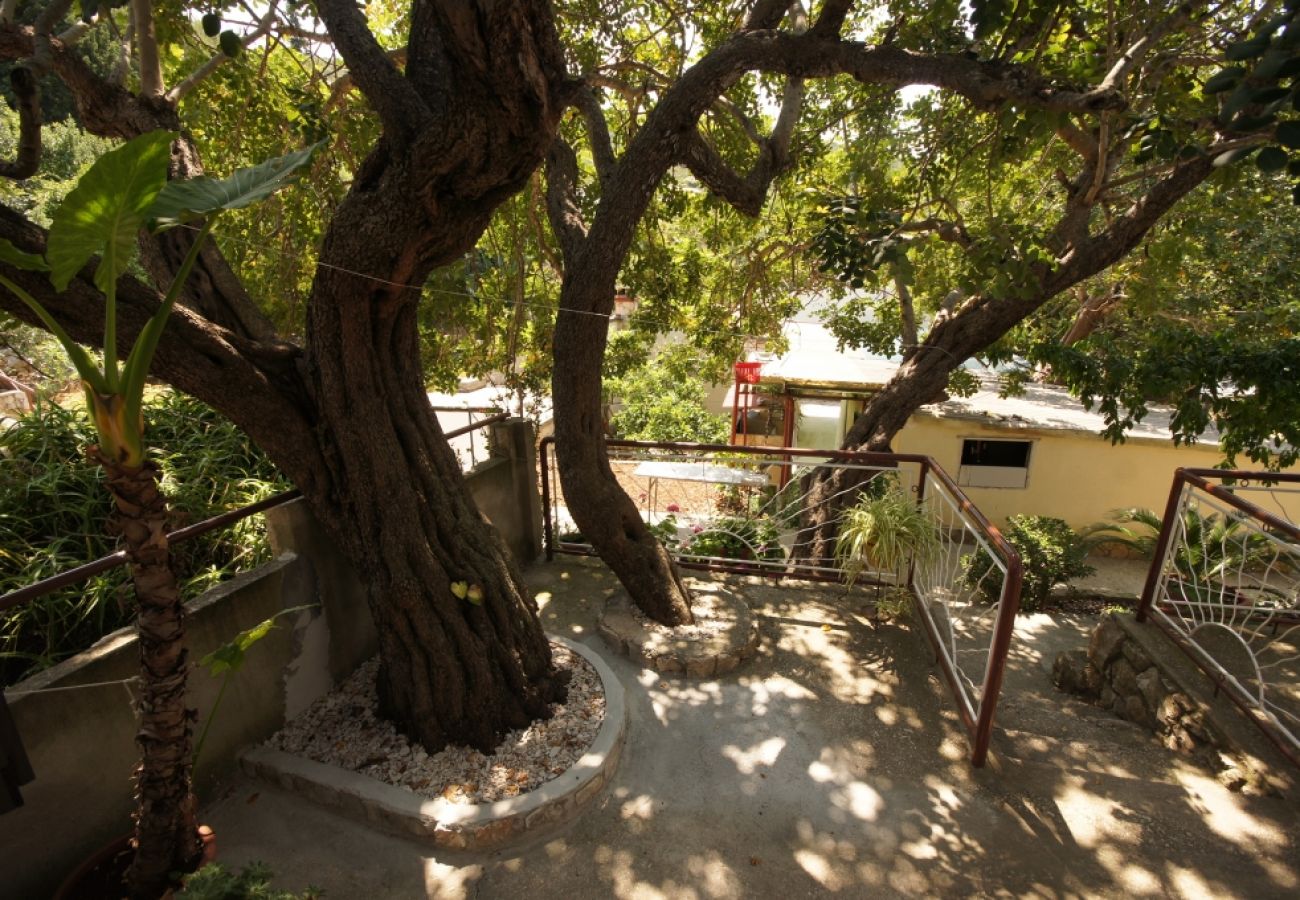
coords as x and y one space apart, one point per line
346 417
601 508
166 834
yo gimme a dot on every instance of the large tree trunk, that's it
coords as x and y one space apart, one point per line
166 835
391 492
601 508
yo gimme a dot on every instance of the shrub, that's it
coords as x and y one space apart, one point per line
734 537
1212 545
884 532
53 515
1050 551
664 401
253 882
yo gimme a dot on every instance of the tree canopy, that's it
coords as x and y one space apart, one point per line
495 171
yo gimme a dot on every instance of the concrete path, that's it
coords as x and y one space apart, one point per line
830 764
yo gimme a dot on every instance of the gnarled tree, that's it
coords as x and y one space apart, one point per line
344 414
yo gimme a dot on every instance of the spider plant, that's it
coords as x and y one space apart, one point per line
882 533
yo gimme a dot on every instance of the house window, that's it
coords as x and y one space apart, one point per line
994 464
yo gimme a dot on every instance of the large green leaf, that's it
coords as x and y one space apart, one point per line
181 201
21 258
106 209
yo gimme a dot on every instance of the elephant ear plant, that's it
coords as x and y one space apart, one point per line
124 191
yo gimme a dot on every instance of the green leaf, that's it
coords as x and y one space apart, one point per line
1288 134
22 259
212 24
229 657
1230 157
1269 94
1223 80
106 209
230 44
181 201
460 589
475 594
1271 159
1247 49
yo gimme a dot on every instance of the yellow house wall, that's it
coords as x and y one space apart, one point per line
1076 476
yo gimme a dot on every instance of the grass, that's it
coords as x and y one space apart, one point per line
54 514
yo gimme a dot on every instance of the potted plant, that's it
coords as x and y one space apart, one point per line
883 532
124 191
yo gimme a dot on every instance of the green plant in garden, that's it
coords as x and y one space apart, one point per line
1211 546
124 191
252 882
883 533
51 519
1051 554
664 401
735 537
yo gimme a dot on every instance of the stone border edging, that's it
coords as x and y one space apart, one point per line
704 658
460 826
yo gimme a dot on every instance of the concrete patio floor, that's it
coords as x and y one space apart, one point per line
832 763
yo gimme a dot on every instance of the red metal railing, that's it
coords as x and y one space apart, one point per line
773 501
1224 585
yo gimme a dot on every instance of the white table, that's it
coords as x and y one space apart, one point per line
710 473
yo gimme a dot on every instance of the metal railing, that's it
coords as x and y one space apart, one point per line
467 451
1224 584
742 509
76 575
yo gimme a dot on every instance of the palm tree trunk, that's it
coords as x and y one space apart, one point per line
166 835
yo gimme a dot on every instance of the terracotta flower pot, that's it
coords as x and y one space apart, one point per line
99 876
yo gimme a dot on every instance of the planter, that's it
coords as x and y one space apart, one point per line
100 876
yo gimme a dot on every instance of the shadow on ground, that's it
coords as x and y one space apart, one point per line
831 763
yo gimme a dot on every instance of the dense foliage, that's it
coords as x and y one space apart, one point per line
1050 551
53 512
664 401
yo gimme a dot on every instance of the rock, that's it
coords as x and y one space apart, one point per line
1136 656
1123 678
1070 673
1106 643
1153 689
1136 711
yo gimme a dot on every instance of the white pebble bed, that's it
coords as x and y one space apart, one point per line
342 729
712 617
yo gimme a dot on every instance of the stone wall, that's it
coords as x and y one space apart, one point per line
1136 671
1119 674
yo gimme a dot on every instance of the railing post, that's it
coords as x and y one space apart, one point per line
1162 544
548 536
1008 606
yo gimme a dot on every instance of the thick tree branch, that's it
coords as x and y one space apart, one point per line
340 86
834 12
256 384
146 45
28 101
602 150
766 14
399 106
562 199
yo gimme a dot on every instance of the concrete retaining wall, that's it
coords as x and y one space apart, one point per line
81 742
